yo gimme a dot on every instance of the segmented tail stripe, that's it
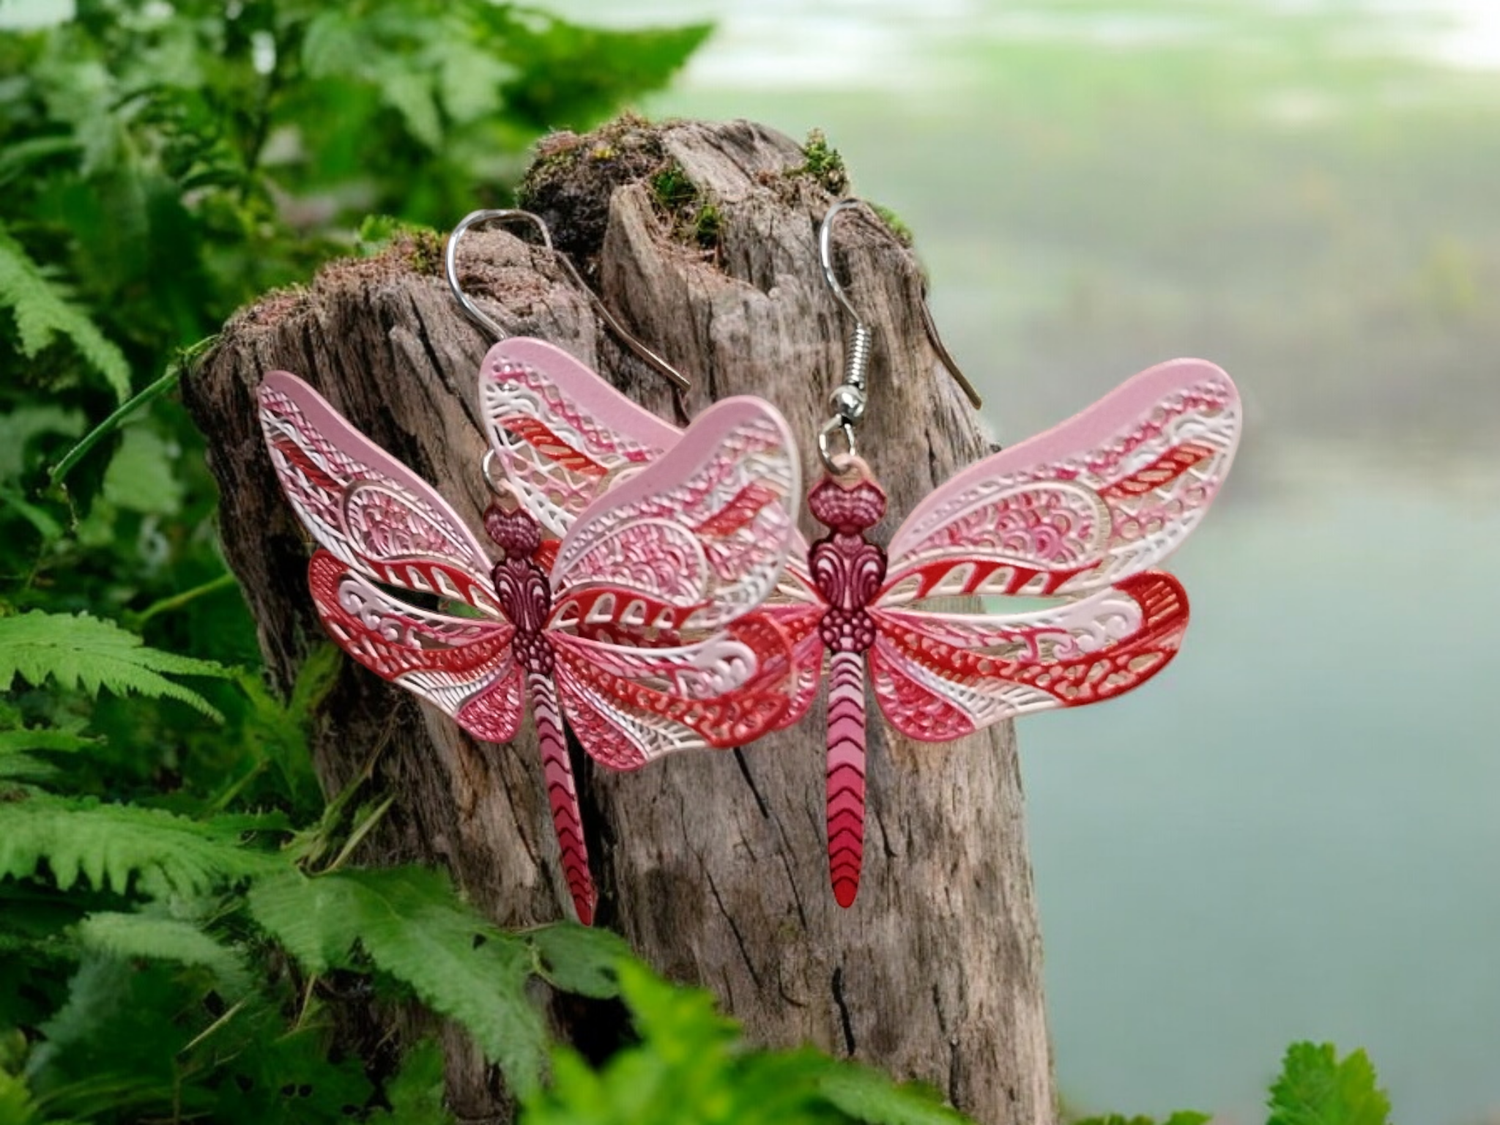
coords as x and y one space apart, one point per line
561 795
846 773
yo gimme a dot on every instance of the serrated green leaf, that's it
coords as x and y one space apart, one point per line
112 846
869 1096
1315 1088
580 959
43 312
149 937
415 928
87 652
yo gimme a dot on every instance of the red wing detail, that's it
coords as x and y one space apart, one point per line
462 665
1160 473
738 513
722 692
616 615
550 446
546 554
797 607
939 676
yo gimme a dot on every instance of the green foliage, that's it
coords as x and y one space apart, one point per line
408 925
1316 1088
691 1067
84 652
121 847
43 312
824 164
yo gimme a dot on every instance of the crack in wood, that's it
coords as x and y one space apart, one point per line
734 928
739 756
844 1020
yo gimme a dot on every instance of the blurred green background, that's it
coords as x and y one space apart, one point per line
1294 831
1291 833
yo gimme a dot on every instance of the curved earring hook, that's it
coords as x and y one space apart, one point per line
485 321
825 258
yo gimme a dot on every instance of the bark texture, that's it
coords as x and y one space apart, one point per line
702 239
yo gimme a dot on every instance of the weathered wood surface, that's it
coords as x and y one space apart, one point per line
712 865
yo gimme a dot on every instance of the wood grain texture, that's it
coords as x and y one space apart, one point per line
713 866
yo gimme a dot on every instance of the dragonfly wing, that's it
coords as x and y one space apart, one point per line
462 665
1106 494
362 505
631 705
693 541
941 676
561 434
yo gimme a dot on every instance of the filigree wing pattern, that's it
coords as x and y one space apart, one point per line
462 665
629 706
362 505
690 543
1107 494
941 676
377 521
561 434
796 607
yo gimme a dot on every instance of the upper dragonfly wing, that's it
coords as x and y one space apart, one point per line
362 505
695 540
561 434
1106 494
377 521
939 676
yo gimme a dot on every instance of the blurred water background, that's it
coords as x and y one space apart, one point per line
1293 832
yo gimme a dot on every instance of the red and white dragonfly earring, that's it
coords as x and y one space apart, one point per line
618 587
1079 516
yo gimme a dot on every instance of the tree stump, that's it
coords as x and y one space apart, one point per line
702 239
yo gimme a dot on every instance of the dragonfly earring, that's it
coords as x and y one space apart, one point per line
1077 516
617 589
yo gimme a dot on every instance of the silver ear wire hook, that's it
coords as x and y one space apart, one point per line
481 318
861 339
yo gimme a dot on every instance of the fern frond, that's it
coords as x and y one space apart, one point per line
110 845
19 763
94 654
415 928
139 936
43 312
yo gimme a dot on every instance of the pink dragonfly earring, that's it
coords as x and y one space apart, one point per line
1078 516
618 587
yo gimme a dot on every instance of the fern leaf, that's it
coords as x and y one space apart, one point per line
19 763
109 846
138 936
42 313
43 738
87 652
413 926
